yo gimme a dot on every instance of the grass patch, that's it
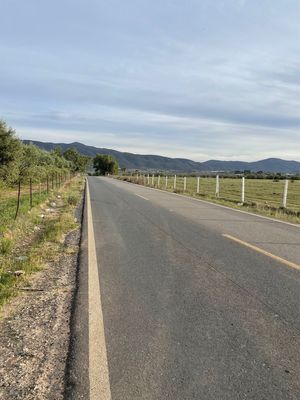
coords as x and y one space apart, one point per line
36 238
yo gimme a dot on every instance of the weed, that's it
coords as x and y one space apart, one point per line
6 245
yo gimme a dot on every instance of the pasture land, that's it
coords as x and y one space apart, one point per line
264 196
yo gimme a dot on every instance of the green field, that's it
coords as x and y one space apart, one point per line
260 194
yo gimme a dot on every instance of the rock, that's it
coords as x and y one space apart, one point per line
53 204
22 258
36 228
58 196
19 272
42 216
75 220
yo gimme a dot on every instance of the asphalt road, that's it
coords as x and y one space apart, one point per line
189 313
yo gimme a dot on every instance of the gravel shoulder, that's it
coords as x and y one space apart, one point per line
35 330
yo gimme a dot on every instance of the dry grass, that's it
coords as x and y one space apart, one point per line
36 238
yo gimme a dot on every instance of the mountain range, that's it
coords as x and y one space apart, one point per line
160 163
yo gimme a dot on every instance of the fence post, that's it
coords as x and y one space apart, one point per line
243 191
174 182
30 193
166 182
184 184
152 183
148 179
217 186
198 184
158 181
19 199
285 193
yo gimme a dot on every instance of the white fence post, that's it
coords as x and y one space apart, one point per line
198 184
137 178
285 193
148 179
152 180
144 179
158 181
243 190
166 182
217 186
184 184
174 186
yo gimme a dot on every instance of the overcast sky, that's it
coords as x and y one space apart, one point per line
200 79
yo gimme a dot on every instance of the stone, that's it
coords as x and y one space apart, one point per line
22 258
19 272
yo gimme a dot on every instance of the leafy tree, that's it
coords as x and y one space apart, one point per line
105 164
10 151
78 161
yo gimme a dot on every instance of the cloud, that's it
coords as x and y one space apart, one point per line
197 79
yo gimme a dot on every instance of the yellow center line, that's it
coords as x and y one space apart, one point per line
266 253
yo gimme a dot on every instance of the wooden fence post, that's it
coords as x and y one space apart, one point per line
19 199
217 186
243 190
198 184
30 193
174 186
285 193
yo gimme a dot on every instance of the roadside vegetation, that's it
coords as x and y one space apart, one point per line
38 193
105 164
262 196
36 239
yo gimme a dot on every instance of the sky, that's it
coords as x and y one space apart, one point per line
198 79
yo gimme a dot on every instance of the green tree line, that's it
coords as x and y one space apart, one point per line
27 164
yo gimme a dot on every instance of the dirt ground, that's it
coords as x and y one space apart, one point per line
34 331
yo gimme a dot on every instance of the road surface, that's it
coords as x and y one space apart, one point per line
180 299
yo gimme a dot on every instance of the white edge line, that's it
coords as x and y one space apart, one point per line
98 365
145 198
213 204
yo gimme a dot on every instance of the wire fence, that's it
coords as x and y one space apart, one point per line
255 192
19 199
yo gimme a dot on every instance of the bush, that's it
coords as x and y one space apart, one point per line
72 200
6 245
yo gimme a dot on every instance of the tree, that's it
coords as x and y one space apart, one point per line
10 152
105 164
78 161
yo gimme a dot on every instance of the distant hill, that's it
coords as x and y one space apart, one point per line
153 162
